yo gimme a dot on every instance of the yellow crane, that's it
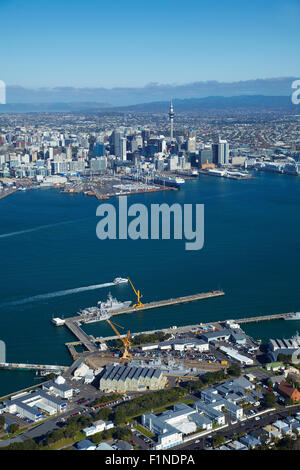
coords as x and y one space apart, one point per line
126 341
138 303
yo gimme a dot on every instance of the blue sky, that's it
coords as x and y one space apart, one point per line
97 43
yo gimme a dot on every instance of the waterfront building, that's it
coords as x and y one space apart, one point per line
31 405
220 153
126 378
59 388
283 346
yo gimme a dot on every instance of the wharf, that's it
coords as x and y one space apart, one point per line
178 300
230 176
3 194
275 316
19 366
89 341
74 327
189 328
73 323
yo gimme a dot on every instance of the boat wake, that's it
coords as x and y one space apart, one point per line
41 227
60 293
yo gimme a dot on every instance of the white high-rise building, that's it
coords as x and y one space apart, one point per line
120 143
171 116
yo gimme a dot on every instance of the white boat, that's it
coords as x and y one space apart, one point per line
120 280
58 321
293 316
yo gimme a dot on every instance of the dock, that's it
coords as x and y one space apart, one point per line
179 329
24 366
74 323
275 316
147 306
176 301
84 339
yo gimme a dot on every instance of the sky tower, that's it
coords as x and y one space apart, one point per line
171 116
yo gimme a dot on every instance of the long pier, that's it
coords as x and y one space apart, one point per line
188 328
178 300
147 306
80 334
20 366
275 316
73 323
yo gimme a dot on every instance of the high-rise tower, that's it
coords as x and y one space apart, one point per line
171 116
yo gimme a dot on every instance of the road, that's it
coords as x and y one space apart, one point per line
241 427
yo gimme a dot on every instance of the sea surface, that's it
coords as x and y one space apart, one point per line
49 251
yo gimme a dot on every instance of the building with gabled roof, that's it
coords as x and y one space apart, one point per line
123 378
288 391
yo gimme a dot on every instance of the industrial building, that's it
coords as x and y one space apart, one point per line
32 405
172 425
179 344
59 388
235 335
127 378
283 346
237 356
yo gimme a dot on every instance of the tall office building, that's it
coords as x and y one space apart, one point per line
99 149
220 152
120 145
146 135
171 117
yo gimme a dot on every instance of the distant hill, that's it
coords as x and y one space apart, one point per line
122 96
51 107
192 105
214 102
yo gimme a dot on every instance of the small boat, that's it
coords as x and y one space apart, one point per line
120 280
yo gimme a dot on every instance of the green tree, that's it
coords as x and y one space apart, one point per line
234 369
2 422
104 413
13 428
122 433
218 440
270 399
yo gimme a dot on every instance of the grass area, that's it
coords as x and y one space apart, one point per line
158 409
10 435
79 436
188 401
144 431
59 444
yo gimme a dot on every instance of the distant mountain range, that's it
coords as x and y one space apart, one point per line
213 103
153 97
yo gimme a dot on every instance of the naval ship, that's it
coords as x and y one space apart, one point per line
103 310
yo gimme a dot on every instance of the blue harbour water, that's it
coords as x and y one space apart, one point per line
48 244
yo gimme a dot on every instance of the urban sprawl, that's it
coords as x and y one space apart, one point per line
205 386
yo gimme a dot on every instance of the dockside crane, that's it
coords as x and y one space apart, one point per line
138 303
126 341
